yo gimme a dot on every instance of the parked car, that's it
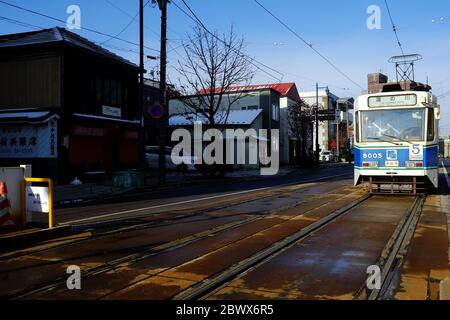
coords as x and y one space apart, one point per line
326 156
152 158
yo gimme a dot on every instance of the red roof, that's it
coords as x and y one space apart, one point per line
285 89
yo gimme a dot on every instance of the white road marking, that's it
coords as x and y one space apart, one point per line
197 200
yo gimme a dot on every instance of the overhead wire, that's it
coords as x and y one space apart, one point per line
296 34
257 64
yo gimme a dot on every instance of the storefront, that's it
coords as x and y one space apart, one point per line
68 107
30 137
99 145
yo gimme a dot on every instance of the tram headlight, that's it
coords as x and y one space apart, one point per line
414 164
370 164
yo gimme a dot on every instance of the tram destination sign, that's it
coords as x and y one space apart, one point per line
402 100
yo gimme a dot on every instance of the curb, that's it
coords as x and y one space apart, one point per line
20 240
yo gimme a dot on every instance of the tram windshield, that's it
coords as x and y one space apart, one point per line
393 125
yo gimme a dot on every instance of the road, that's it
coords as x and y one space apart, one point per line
309 236
190 197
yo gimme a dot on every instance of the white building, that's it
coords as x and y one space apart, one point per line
327 129
273 99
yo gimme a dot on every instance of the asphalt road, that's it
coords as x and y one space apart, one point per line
189 197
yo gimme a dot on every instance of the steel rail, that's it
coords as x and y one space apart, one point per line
133 258
202 289
395 250
272 193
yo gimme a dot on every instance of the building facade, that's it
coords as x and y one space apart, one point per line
67 106
242 103
327 129
275 101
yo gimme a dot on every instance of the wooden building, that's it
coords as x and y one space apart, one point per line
67 106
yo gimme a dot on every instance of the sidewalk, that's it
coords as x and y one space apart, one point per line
66 195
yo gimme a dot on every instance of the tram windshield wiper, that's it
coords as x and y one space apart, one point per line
382 140
398 138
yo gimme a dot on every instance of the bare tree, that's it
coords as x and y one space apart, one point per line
299 120
213 64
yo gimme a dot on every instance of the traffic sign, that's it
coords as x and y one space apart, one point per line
156 111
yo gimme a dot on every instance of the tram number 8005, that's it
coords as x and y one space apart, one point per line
372 156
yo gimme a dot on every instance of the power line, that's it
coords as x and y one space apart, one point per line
309 45
151 30
130 16
394 28
253 61
65 22
35 27
279 72
133 19
20 23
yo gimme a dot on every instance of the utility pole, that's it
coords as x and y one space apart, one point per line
163 88
141 87
316 155
337 142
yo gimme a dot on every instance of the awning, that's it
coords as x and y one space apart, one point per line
26 117
91 116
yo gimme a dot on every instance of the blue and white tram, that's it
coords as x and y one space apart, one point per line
396 140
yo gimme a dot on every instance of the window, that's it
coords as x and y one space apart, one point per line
275 112
109 92
430 125
116 93
250 108
357 126
393 125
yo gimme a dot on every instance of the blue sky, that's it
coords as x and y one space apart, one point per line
335 28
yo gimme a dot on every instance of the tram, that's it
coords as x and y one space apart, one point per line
396 141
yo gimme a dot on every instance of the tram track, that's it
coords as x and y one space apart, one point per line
390 261
392 256
139 226
134 258
202 289
232 283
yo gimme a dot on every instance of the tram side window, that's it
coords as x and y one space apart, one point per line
430 125
357 126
